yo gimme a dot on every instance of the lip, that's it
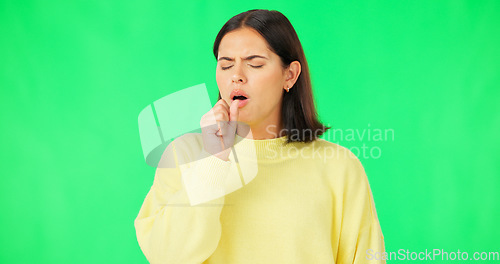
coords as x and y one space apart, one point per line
236 92
242 103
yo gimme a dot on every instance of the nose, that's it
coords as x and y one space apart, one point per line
238 74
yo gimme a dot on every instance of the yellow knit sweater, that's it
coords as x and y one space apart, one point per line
270 203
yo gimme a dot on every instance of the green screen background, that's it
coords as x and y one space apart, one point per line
74 76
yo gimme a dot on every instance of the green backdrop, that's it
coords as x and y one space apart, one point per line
74 76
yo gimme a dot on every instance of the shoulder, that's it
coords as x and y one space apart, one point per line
332 153
338 161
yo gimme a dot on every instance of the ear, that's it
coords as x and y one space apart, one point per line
292 74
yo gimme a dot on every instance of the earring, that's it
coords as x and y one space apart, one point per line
287 89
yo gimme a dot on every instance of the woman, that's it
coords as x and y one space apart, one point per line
258 185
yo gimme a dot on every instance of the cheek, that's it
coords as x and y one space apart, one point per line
218 79
269 84
269 96
221 84
269 78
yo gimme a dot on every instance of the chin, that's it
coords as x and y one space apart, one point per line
243 120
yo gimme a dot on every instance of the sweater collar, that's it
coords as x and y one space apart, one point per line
262 150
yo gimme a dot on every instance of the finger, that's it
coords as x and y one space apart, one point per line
220 109
219 130
221 116
234 111
222 103
223 127
223 147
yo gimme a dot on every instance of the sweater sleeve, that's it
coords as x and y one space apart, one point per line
179 218
361 239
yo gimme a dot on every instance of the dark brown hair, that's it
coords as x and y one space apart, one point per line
298 113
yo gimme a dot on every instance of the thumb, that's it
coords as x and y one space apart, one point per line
233 111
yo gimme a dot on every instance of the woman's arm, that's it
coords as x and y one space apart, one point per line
360 238
169 228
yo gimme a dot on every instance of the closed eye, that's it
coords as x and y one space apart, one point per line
225 68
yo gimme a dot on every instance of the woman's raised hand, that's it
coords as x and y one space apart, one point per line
218 128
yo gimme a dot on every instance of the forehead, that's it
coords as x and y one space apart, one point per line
243 41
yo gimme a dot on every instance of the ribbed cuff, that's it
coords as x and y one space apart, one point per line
205 179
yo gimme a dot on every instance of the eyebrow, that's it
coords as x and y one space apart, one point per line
246 58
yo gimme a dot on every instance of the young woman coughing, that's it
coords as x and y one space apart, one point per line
258 185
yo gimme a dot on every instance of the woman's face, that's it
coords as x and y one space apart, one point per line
245 63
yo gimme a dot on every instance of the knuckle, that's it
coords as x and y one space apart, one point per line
220 107
219 116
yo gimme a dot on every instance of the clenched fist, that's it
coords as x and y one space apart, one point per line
218 128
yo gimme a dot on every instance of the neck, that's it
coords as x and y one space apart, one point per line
267 128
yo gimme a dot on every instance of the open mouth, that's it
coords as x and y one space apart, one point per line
239 97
